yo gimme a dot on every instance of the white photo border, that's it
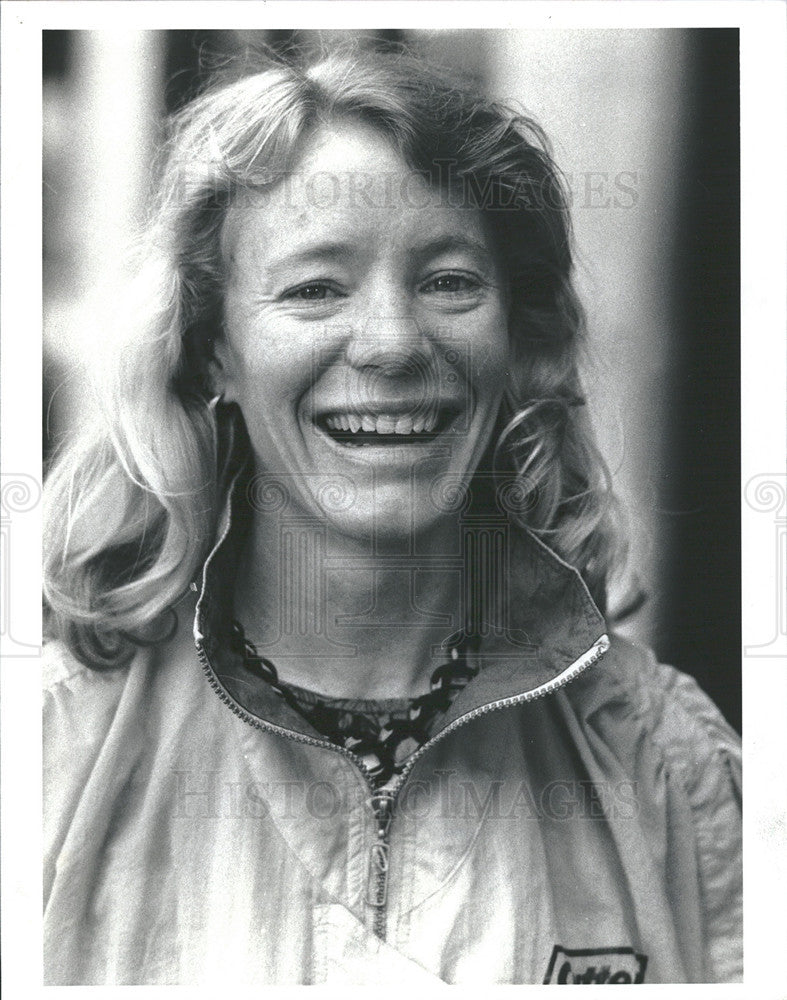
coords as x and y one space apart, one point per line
764 435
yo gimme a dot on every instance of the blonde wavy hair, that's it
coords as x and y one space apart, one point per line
132 505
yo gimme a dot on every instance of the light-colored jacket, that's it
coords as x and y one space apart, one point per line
575 819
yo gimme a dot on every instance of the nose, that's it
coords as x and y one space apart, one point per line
391 345
390 356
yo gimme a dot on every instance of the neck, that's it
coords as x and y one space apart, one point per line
337 616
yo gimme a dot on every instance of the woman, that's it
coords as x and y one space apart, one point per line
344 466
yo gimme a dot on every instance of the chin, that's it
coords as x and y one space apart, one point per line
393 521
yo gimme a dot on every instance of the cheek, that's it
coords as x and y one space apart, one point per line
491 358
264 359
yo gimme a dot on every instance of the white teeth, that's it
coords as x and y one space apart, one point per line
386 425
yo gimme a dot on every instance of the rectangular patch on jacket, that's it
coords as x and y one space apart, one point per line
595 965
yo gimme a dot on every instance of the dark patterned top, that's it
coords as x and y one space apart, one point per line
385 733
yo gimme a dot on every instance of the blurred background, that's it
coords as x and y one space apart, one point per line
645 125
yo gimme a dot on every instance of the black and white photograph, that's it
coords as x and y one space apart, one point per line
390 503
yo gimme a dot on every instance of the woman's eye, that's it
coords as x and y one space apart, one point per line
451 284
315 291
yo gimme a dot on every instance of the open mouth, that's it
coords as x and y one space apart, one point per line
366 429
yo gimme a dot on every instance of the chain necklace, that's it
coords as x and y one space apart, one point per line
384 736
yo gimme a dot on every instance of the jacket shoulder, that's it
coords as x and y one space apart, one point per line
670 739
668 704
63 676
80 709
58 664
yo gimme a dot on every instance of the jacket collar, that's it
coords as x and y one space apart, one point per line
546 627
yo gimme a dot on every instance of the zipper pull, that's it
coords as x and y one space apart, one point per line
382 807
377 892
377 885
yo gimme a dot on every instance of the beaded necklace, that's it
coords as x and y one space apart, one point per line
385 734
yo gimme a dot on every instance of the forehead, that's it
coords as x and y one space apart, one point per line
349 182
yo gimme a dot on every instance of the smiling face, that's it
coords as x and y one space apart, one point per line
365 334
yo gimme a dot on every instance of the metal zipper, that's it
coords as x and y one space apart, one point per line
377 887
596 651
383 801
257 723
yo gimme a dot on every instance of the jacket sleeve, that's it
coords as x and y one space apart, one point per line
651 725
704 752
79 705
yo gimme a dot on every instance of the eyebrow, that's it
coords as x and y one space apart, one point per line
329 251
342 250
453 241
